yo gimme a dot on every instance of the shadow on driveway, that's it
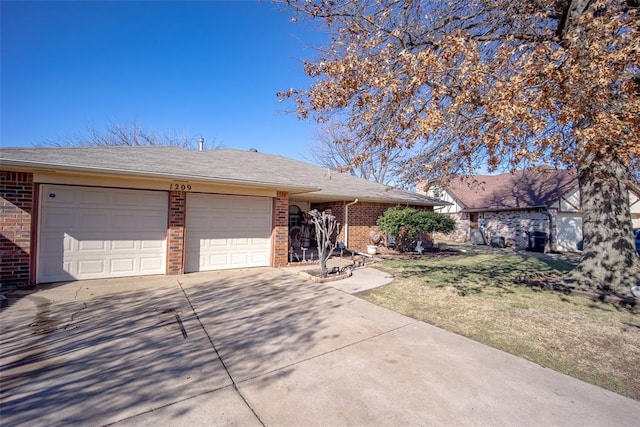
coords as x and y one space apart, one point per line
276 319
75 358
263 347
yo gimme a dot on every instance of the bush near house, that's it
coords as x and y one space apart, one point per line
407 224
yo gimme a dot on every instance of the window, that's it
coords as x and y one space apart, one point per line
295 216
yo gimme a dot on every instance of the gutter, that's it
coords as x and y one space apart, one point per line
346 222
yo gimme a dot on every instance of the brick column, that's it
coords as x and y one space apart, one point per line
176 232
16 208
280 230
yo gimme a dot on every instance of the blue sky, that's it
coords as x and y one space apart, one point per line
209 69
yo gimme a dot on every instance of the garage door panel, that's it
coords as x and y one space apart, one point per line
240 242
121 221
141 221
227 232
92 245
58 221
93 197
90 233
236 224
88 220
54 268
59 195
151 244
54 242
213 243
123 245
244 204
123 265
260 241
219 261
125 200
258 256
91 267
67 243
151 264
242 258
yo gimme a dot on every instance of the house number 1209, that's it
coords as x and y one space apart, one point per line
180 187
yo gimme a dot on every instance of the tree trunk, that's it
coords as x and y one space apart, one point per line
609 259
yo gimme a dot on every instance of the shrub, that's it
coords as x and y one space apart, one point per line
408 223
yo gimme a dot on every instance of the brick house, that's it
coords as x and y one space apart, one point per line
515 205
82 213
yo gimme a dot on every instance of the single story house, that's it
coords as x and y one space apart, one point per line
98 212
515 205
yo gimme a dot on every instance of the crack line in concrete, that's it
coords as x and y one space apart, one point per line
166 405
329 352
224 365
84 304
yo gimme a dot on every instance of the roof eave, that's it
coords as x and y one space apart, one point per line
42 166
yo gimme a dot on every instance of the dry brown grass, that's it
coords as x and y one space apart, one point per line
475 296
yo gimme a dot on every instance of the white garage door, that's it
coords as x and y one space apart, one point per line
227 232
89 233
569 236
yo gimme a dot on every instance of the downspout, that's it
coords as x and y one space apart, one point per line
346 222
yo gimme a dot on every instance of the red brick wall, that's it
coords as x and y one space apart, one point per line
175 233
362 219
280 230
16 207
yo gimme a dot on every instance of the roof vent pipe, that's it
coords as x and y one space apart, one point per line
200 144
346 223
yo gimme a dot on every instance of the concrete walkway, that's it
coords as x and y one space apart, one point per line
362 279
264 347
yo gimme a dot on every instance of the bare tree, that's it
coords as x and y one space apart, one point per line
496 82
123 135
327 229
337 147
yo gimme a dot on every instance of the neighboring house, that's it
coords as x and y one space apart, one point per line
515 205
82 213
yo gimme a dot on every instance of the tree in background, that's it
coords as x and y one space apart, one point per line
130 135
339 148
407 224
496 83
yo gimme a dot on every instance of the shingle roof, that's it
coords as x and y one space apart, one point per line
528 188
227 166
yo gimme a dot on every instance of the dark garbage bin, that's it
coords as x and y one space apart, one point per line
498 242
537 241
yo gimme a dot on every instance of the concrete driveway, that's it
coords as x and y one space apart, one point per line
263 347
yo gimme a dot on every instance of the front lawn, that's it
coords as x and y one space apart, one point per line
475 296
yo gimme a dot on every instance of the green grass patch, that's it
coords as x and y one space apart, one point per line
475 296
